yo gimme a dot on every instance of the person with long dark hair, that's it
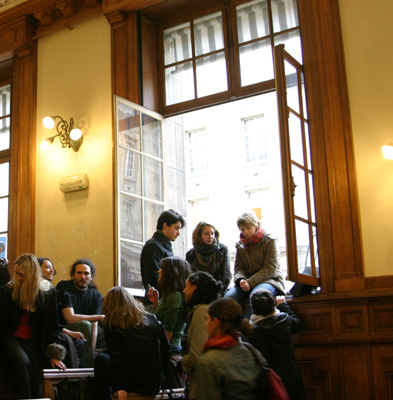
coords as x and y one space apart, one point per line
171 309
29 327
209 255
201 289
137 347
227 368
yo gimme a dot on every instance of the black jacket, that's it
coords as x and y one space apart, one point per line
139 357
44 321
272 336
154 250
220 267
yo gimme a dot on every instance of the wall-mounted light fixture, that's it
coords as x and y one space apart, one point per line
388 151
68 135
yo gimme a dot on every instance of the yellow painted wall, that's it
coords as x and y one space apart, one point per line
367 34
74 80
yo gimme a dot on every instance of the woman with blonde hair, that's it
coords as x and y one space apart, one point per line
227 368
209 255
29 327
257 264
137 347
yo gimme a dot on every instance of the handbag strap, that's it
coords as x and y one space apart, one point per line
257 355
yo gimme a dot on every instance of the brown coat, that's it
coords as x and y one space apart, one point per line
262 265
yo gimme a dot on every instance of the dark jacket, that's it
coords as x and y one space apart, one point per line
219 268
44 321
272 336
139 357
154 250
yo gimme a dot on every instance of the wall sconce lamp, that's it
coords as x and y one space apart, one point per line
68 135
388 151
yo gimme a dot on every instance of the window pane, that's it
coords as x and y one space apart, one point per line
177 43
316 259
198 152
300 198
3 245
4 214
256 63
211 75
5 100
128 121
152 178
252 21
292 43
151 213
303 95
208 34
284 14
130 218
151 136
312 204
129 171
308 151
130 266
303 248
179 83
295 138
255 140
292 87
5 178
5 133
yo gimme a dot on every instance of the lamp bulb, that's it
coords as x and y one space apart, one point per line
75 134
387 151
48 122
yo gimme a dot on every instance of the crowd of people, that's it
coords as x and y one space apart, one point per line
137 346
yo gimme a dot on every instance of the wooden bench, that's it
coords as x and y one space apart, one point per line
51 377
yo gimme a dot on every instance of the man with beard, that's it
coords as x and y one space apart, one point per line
80 305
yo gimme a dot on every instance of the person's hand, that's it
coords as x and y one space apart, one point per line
245 286
279 300
121 394
57 364
76 335
153 296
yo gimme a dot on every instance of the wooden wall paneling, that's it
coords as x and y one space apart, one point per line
382 362
332 147
381 319
352 323
355 373
125 59
320 373
150 93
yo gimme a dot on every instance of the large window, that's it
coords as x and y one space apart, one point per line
197 150
240 38
5 136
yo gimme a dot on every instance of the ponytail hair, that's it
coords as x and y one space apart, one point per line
230 314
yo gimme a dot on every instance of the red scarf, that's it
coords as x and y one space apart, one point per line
253 240
220 342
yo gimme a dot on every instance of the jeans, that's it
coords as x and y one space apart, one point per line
102 374
237 294
22 357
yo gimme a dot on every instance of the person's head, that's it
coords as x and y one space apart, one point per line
26 283
248 224
82 273
204 233
173 275
169 223
201 288
47 269
225 317
263 302
122 310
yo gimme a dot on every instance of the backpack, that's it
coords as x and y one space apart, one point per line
269 384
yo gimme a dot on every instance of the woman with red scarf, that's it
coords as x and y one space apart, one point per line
227 368
257 264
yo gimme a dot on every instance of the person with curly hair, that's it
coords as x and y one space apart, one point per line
209 255
171 310
201 289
